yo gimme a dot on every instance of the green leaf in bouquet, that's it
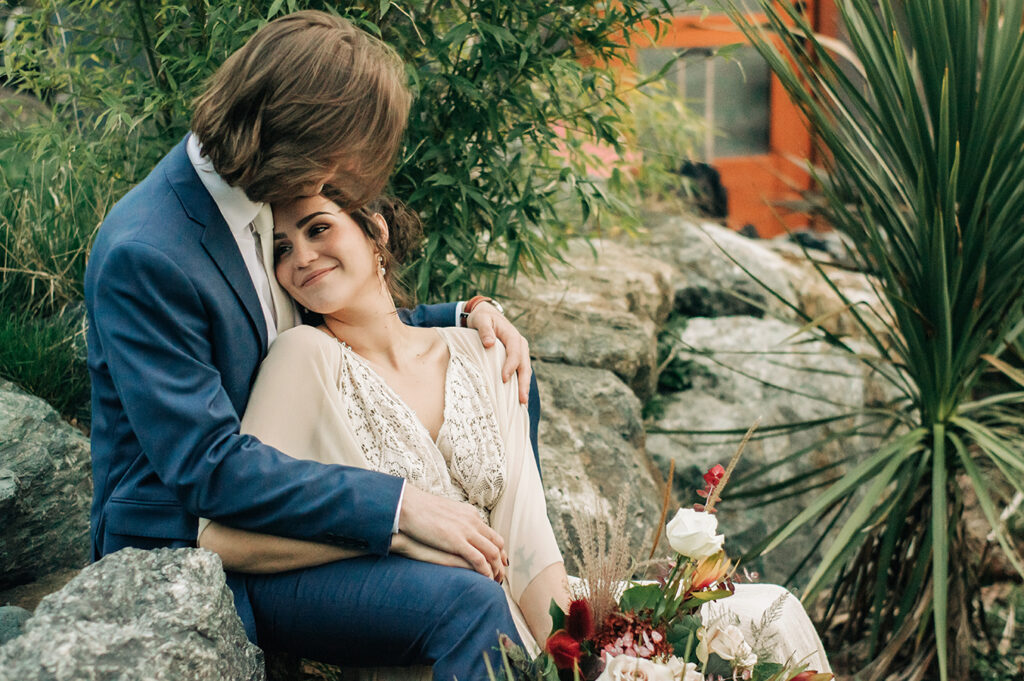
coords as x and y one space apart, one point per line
701 597
557 616
764 671
717 667
682 635
707 596
548 670
637 598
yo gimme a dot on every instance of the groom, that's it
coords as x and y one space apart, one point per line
182 306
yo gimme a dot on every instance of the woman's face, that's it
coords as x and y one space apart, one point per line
322 257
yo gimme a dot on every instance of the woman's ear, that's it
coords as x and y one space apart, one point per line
383 224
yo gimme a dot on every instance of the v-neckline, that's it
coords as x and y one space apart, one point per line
393 394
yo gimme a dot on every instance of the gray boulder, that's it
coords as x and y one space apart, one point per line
816 297
742 368
154 615
592 455
12 622
45 489
710 283
602 308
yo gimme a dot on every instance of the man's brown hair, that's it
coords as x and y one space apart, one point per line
308 99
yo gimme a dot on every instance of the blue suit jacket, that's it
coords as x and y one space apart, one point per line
176 335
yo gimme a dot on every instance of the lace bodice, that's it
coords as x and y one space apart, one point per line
466 463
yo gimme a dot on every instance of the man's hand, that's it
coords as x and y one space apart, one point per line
491 324
452 527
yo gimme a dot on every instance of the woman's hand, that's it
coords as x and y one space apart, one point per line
491 324
404 545
454 528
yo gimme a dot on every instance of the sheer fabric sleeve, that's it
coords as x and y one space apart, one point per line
520 514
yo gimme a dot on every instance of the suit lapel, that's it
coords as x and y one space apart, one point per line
217 239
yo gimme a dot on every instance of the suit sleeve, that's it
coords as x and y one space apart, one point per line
152 326
440 314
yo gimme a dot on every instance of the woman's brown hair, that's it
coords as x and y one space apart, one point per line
308 99
405 237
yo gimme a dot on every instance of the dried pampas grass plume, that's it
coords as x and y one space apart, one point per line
605 557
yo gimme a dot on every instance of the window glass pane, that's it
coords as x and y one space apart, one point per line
732 94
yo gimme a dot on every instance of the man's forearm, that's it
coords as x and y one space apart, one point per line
256 553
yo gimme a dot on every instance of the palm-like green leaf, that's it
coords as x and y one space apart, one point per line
922 144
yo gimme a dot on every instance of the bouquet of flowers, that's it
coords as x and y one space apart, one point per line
655 631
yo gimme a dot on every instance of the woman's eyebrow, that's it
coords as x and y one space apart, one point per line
309 217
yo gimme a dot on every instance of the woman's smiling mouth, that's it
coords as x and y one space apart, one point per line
316 276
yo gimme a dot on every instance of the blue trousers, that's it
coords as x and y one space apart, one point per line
386 611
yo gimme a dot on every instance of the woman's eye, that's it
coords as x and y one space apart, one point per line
318 229
281 250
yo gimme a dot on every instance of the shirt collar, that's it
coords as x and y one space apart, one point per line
238 210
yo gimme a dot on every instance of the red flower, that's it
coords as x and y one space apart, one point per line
580 620
714 476
711 478
563 649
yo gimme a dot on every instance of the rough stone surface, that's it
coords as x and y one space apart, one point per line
710 284
45 489
12 622
807 382
831 246
816 298
154 615
600 309
592 453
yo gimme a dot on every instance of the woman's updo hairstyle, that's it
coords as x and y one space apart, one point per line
404 242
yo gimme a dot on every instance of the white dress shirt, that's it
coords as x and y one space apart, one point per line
239 212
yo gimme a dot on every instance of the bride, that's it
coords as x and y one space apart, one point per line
359 387
429 405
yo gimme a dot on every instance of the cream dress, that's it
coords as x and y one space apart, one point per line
315 398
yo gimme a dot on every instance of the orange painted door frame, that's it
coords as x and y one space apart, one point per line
758 183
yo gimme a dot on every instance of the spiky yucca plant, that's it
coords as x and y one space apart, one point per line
922 138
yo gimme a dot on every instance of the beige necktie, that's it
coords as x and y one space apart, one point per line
284 309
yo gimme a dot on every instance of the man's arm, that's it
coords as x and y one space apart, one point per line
440 314
255 553
153 329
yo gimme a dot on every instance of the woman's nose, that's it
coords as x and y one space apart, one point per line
303 253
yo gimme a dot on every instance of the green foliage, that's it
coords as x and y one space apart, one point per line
666 132
924 174
48 356
509 99
498 140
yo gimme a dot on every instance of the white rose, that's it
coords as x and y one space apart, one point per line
684 671
627 668
692 533
728 643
